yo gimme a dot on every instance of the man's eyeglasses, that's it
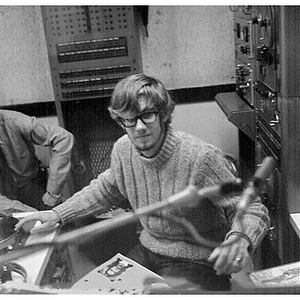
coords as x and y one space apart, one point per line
148 117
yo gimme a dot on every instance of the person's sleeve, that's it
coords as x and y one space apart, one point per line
60 142
256 221
100 195
253 226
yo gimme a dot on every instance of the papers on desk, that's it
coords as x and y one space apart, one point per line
282 276
119 275
35 264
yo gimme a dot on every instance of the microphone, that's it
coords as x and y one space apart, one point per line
255 185
192 194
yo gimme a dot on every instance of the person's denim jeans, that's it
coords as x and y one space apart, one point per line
199 274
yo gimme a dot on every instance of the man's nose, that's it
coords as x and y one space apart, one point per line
140 125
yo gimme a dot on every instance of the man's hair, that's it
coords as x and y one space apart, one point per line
124 100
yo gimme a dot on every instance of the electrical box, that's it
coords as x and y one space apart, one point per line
90 49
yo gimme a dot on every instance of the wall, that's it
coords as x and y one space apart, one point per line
25 72
189 46
207 121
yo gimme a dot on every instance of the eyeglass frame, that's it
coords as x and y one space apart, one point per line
140 117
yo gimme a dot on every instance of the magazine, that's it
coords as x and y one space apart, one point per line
282 276
119 275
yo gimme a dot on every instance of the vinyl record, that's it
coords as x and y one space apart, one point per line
7 231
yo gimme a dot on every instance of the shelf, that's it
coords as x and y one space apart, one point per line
237 112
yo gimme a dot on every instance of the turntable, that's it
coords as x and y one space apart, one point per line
32 267
9 238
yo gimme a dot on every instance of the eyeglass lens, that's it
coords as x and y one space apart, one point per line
146 118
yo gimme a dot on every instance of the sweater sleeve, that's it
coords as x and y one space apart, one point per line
256 221
254 224
101 194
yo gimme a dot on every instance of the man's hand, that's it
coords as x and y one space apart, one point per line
50 200
231 256
49 219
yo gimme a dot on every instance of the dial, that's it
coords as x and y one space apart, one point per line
266 26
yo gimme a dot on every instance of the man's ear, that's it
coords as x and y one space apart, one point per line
124 129
121 125
165 118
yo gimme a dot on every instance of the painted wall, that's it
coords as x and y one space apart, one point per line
25 72
207 121
189 46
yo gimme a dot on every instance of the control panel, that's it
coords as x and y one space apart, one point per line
267 81
265 20
243 53
257 83
257 60
90 49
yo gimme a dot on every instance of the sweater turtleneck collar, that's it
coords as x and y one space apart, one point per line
169 146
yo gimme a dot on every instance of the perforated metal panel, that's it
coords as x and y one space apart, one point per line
90 49
71 20
94 131
100 152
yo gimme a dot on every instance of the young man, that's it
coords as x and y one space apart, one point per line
22 177
152 162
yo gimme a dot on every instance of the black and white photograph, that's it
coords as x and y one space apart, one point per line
149 148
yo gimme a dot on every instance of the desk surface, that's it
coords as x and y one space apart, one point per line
35 264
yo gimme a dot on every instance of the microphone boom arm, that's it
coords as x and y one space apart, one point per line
189 195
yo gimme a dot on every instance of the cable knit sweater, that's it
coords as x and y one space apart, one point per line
182 160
